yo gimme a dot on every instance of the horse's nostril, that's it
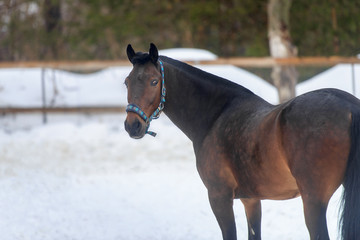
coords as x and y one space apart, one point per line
136 124
134 129
126 125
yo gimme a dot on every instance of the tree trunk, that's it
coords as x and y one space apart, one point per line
52 19
284 77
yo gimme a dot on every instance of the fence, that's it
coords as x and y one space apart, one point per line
236 61
265 62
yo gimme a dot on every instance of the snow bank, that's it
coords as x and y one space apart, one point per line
188 54
339 76
22 87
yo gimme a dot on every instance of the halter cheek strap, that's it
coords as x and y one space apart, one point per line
156 114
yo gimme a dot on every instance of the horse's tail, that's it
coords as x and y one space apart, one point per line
350 219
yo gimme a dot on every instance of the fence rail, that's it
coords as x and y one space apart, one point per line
263 62
236 61
297 61
82 109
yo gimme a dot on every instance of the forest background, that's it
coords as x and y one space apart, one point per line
101 29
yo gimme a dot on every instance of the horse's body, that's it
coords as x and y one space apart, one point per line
249 149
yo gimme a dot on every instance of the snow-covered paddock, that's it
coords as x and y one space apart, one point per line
89 180
81 177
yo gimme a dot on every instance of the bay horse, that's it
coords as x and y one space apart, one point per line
249 149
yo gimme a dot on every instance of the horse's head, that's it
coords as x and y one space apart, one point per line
146 91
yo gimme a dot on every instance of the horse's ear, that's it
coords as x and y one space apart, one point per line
154 54
130 52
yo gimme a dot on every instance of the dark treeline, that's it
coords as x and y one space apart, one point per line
101 29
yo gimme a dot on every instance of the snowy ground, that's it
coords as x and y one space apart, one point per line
91 181
82 177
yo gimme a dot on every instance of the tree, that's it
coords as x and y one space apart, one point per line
331 27
101 29
52 20
284 77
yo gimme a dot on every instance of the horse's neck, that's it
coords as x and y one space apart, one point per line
193 105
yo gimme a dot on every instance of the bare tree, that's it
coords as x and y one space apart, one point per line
52 18
284 77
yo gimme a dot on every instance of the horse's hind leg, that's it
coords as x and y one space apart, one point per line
253 215
316 193
315 218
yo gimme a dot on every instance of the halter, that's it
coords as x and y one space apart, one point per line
156 114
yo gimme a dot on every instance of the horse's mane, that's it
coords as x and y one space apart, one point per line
202 75
142 58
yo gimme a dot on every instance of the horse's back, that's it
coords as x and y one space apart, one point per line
316 111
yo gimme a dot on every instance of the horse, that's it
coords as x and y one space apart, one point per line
249 149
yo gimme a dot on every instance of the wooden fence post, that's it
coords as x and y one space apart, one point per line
43 93
353 78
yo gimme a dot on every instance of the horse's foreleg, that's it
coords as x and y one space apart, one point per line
222 207
315 218
253 215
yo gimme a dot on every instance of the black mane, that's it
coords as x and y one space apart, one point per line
202 75
218 82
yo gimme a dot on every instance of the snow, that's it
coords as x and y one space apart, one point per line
339 76
82 177
64 181
188 54
62 88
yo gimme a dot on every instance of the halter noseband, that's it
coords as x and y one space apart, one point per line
156 114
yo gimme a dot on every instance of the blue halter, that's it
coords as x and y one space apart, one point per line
136 109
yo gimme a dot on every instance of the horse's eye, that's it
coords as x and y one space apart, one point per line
126 82
154 82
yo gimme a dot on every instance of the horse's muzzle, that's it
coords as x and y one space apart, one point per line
135 128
